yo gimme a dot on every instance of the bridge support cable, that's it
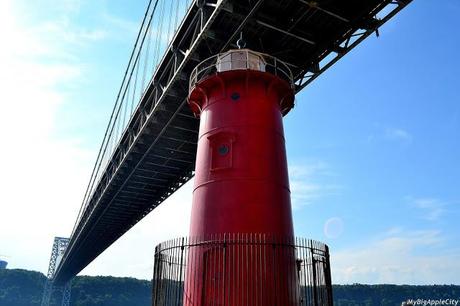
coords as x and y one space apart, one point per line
139 57
93 173
108 145
51 288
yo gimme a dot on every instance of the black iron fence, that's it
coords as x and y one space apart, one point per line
242 269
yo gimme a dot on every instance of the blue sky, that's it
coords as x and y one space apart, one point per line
373 144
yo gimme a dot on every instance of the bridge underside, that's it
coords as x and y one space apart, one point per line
156 153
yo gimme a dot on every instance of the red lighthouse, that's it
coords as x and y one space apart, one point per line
241 178
241 249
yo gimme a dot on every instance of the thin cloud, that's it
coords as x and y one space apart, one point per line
389 133
304 181
61 33
432 209
120 25
398 257
398 134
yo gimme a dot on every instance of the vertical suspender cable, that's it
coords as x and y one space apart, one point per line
159 39
147 52
134 89
169 22
176 16
126 98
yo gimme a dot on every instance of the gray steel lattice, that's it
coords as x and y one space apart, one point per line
59 246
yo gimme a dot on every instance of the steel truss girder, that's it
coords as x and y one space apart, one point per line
347 42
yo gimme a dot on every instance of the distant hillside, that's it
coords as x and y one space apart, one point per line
20 287
363 295
25 288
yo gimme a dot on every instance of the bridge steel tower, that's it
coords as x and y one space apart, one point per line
59 246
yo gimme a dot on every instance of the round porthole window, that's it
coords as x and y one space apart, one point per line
223 149
235 96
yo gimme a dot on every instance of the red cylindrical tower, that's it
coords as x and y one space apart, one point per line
241 178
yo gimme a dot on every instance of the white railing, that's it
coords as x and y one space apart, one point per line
240 59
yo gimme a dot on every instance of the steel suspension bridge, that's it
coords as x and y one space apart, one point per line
149 147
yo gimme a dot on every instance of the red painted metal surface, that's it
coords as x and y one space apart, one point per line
241 180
